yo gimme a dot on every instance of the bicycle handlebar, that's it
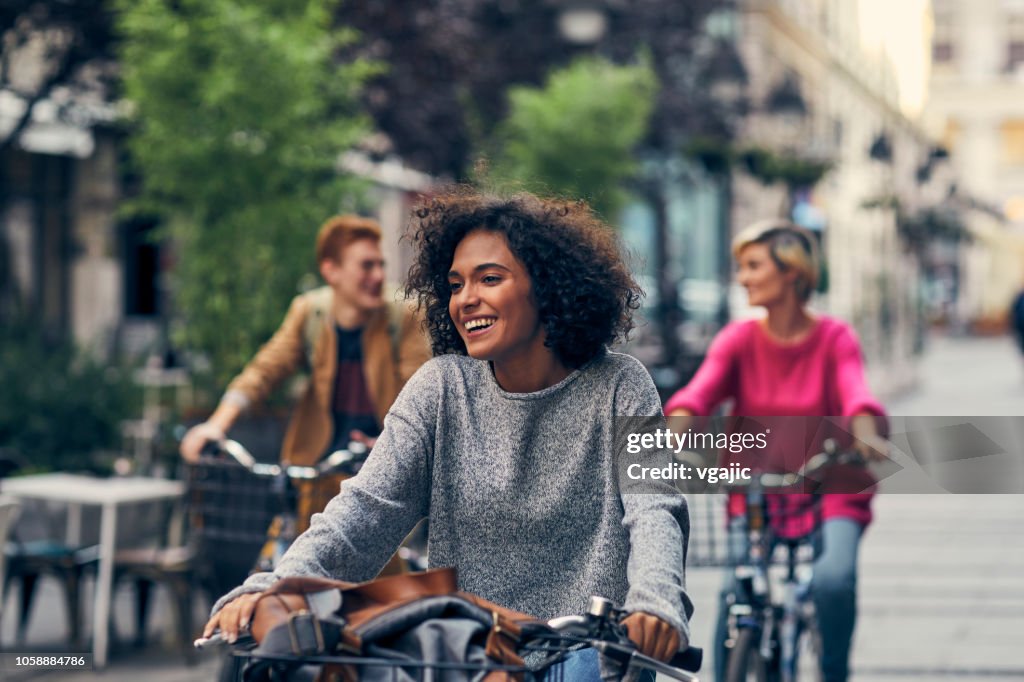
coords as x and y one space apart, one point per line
830 457
336 460
592 629
597 628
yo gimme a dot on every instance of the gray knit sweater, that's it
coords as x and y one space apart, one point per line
520 490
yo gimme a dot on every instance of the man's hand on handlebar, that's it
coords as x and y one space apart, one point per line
356 435
652 636
234 617
197 437
359 437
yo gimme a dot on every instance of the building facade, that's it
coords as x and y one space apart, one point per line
824 88
976 105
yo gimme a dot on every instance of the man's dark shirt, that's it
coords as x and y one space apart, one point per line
352 406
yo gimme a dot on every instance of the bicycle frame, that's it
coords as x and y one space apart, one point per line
776 611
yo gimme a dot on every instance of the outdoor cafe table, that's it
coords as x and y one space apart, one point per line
110 494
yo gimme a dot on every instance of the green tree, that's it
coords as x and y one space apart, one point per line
239 110
575 136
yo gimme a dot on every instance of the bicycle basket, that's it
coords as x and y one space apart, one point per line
404 628
313 496
258 668
229 504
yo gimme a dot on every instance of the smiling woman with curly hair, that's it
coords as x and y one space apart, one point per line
506 440
584 293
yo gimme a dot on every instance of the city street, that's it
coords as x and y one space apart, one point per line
209 212
940 588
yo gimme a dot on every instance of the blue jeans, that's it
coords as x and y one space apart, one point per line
833 589
582 666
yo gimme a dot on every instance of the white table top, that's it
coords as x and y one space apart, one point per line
78 489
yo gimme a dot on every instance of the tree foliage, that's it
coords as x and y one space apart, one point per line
239 114
450 62
575 136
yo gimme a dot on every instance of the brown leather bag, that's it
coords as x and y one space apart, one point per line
361 604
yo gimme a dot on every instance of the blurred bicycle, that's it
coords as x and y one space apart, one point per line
773 633
259 509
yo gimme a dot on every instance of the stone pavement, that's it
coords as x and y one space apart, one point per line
941 589
160 661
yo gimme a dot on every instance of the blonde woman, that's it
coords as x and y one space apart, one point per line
794 362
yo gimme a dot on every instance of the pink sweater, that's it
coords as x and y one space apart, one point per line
822 375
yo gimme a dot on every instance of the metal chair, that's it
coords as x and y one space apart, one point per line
9 510
26 561
172 564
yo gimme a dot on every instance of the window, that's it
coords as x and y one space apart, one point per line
141 269
1014 41
1013 142
943 50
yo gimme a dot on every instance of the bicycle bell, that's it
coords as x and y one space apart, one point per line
600 607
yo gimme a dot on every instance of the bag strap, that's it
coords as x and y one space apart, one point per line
319 306
396 313
305 632
384 590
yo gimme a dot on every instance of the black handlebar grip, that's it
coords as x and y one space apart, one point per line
691 659
211 448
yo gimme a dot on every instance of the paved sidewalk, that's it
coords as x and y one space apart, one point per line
160 661
940 591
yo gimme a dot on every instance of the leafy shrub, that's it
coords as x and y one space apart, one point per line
576 135
59 408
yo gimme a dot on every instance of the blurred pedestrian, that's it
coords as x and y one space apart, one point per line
358 348
793 363
1017 318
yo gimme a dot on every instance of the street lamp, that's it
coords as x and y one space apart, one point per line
726 79
726 76
881 149
582 23
786 104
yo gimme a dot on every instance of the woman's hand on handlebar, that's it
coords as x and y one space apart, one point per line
866 441
196 438
652 636
233 617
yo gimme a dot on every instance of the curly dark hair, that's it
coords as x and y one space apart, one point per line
584 292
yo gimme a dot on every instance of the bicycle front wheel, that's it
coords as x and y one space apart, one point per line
745 663
807 666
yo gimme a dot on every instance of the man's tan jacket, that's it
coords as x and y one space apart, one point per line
386 365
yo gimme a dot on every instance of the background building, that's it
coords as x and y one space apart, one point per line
976 106
830 84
